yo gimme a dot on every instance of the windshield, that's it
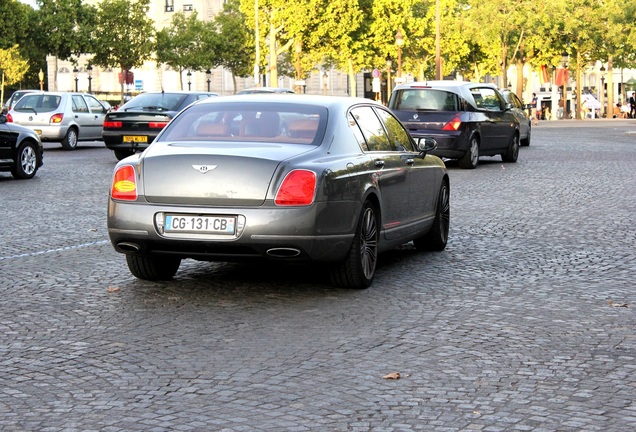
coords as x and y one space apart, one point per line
426 99
234 121
155 102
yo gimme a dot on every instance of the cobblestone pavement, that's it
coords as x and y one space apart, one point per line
525 323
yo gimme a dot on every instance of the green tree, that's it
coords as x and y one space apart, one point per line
12 67
234 44
124 35
185 44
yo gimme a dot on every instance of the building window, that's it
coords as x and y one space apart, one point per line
169 5
188 8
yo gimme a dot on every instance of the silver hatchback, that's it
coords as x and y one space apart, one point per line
60 117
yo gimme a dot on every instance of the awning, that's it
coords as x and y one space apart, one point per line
590 101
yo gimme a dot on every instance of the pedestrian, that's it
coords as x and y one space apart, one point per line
533 109
632 106
625 110
560 109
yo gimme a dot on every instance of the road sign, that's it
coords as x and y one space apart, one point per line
376 73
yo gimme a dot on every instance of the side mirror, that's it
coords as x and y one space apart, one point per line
508 107
3 118
425 145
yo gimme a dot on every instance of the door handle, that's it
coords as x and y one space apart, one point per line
410 161
379 163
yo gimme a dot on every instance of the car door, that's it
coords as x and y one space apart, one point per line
391 170
96 118
421 174
497 123
6 145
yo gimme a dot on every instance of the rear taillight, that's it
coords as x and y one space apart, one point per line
9 118
56 118
297 189
452 125
157 125
112 124
124 184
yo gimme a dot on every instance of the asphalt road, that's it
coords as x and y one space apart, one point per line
524 323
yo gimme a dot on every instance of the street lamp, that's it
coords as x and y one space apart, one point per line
602 96
399 41
189 75
90 78
76 75
389 63
41 76
565 57
208 76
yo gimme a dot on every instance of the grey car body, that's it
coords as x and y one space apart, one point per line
332 180
60 117
468 120
21 150
255 90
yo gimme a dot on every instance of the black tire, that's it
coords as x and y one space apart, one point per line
437 237
123 154
27 161
512 153
153 267
358 269
471 158
70 140
526 142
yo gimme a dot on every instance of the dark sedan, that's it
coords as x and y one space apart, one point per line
468 120
320 179
21 150
137 122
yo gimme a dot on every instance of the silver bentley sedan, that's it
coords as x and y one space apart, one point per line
322 179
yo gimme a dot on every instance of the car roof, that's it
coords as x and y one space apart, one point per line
265 90
330 102
443 84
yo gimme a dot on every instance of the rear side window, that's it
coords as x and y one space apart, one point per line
426 99
486 98
38 103
372 129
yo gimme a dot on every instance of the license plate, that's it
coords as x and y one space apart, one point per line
135 138
200 224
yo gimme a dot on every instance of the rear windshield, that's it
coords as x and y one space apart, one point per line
425 99
240 122
156 102
38 103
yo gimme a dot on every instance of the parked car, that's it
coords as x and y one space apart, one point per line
15 97
254 90
225 180
21 150
135 124
60 117
525 122
468 120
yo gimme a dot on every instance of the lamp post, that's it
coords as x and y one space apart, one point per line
602 95
564 60
189 75
76 75
208 76
325 77
90 78
399 41
41 77
389 63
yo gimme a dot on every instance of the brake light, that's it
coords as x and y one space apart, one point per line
452 125
297 189
124 184
56 118
157 125
9 118
112 124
